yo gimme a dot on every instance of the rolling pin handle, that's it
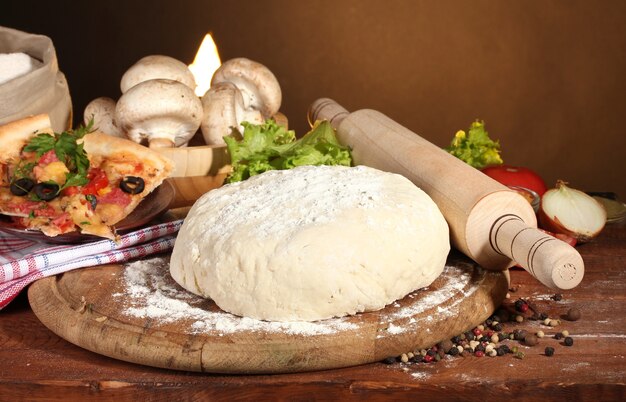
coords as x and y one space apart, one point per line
552 261
326 109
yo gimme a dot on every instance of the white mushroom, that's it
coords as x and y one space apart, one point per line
102 111
224 111
165 113
157 66
259 87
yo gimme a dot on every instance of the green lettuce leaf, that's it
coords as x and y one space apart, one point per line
269 146
475 148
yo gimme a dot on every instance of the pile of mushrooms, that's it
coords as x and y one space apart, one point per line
159 107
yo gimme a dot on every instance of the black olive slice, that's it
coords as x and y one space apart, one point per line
22 186
132 185
46 191
93 201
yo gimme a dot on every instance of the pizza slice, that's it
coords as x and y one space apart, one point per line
75 180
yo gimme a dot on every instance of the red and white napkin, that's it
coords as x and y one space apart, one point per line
24 261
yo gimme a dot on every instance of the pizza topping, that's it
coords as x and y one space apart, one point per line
21 187
132 184
98 181
46 191
48 157
115 196
54 171
93 201
67 151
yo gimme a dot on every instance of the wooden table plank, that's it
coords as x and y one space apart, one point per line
38 365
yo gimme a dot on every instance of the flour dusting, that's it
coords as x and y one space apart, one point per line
152 294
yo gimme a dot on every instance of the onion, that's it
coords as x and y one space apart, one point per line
571 212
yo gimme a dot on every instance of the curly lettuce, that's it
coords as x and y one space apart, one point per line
269 146
475 147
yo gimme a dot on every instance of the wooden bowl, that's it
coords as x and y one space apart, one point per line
199 159
204 160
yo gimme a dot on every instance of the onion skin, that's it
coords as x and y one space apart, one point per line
556 226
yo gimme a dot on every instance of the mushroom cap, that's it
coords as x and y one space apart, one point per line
224 111
159 110
157 66
102 111
258 85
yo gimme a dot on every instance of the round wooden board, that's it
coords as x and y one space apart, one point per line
97 309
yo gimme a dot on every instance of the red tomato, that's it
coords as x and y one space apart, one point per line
516 176
67 191
97 180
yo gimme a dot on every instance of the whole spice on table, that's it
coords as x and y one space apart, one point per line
573 314
489 339
531 340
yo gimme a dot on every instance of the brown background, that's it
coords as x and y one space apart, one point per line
548 77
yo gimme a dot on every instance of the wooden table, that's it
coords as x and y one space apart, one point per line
35 364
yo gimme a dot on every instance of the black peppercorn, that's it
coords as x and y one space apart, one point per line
453 351
543 316
389 360
568 341
549 351
497 327
557 297
501 351
558 335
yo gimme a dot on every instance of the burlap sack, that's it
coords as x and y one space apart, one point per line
43 90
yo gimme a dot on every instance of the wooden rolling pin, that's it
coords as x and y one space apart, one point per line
491 224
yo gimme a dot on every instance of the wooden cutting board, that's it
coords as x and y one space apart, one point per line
133 312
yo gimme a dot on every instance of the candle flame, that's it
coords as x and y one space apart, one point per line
207 60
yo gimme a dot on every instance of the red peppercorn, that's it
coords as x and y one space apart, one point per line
477 331
428 358
479 353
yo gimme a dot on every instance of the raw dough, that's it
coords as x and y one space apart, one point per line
311 243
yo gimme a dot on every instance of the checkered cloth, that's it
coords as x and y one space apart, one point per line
24 261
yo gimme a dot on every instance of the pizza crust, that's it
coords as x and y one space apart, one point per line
14 135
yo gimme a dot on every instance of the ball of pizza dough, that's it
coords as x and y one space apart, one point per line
311 243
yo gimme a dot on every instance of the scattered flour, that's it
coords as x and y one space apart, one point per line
154 295
151 293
